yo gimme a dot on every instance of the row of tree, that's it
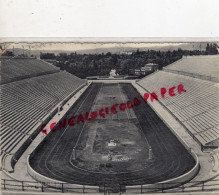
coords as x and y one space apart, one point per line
84 65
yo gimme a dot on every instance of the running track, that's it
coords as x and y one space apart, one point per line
51 157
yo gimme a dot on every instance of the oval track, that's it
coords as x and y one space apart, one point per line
51 157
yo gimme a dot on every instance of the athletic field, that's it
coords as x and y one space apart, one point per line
113 149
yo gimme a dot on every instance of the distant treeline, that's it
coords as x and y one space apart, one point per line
83 65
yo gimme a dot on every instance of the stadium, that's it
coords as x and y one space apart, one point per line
63 134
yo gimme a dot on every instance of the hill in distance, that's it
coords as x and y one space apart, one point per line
113 50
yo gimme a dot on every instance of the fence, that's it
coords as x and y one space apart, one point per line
46 187
197 186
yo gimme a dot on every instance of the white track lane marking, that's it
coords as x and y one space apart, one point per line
85 120
142 130
121 95
62 135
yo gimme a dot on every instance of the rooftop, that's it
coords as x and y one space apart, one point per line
151 64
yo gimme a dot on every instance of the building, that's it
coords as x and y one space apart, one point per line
150 67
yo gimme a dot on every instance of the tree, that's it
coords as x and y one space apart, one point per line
207 48
47 55
108 54
211 49
8 53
